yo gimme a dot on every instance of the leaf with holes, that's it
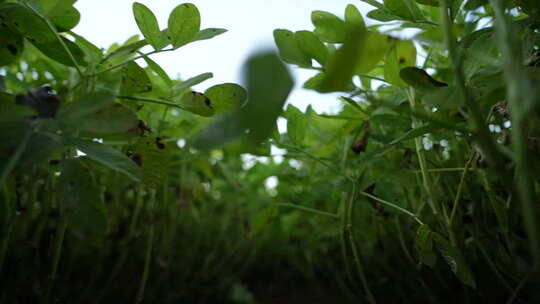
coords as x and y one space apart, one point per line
401 55
184 24
26 22
134 79
226 97
11 45
152 157
197 103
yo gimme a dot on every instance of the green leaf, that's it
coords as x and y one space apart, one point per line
402 54
383 15
374 47
107 156
93 53
209 33
226 97
424 245
23 20
85 105
184 24
79 197
454 258
311 46
420 79
353 16
134 79
159 71
328 27
314 82
374 3
444 98
148 24
192 81
297 124
11 46
342 65
61 13
152 156
429 2
269 83
112 119
289 49
407 9
197 103
56 51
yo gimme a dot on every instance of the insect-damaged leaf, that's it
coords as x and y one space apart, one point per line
26 22
226 97
269 84
197 103
107 156
402 54
79 198
11 45
289 49
184 24
134 79
152 157
148 24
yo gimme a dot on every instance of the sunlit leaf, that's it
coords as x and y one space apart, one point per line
401 55
148 24
311 46
353 16
209 33
289 49
297 124
328 27
184 24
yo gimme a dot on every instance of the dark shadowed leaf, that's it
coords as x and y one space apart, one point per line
420 79
107 156
79 197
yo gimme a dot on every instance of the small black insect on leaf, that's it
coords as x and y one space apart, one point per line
44 101
143 127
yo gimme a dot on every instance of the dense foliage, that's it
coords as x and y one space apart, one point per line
119 183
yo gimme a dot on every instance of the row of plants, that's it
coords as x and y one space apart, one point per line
119 183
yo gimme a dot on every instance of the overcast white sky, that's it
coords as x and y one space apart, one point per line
250 24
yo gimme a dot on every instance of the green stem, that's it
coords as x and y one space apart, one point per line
58 242
308 209
352 244
394 206
522 97
481 133
149 247
426 181
132 59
